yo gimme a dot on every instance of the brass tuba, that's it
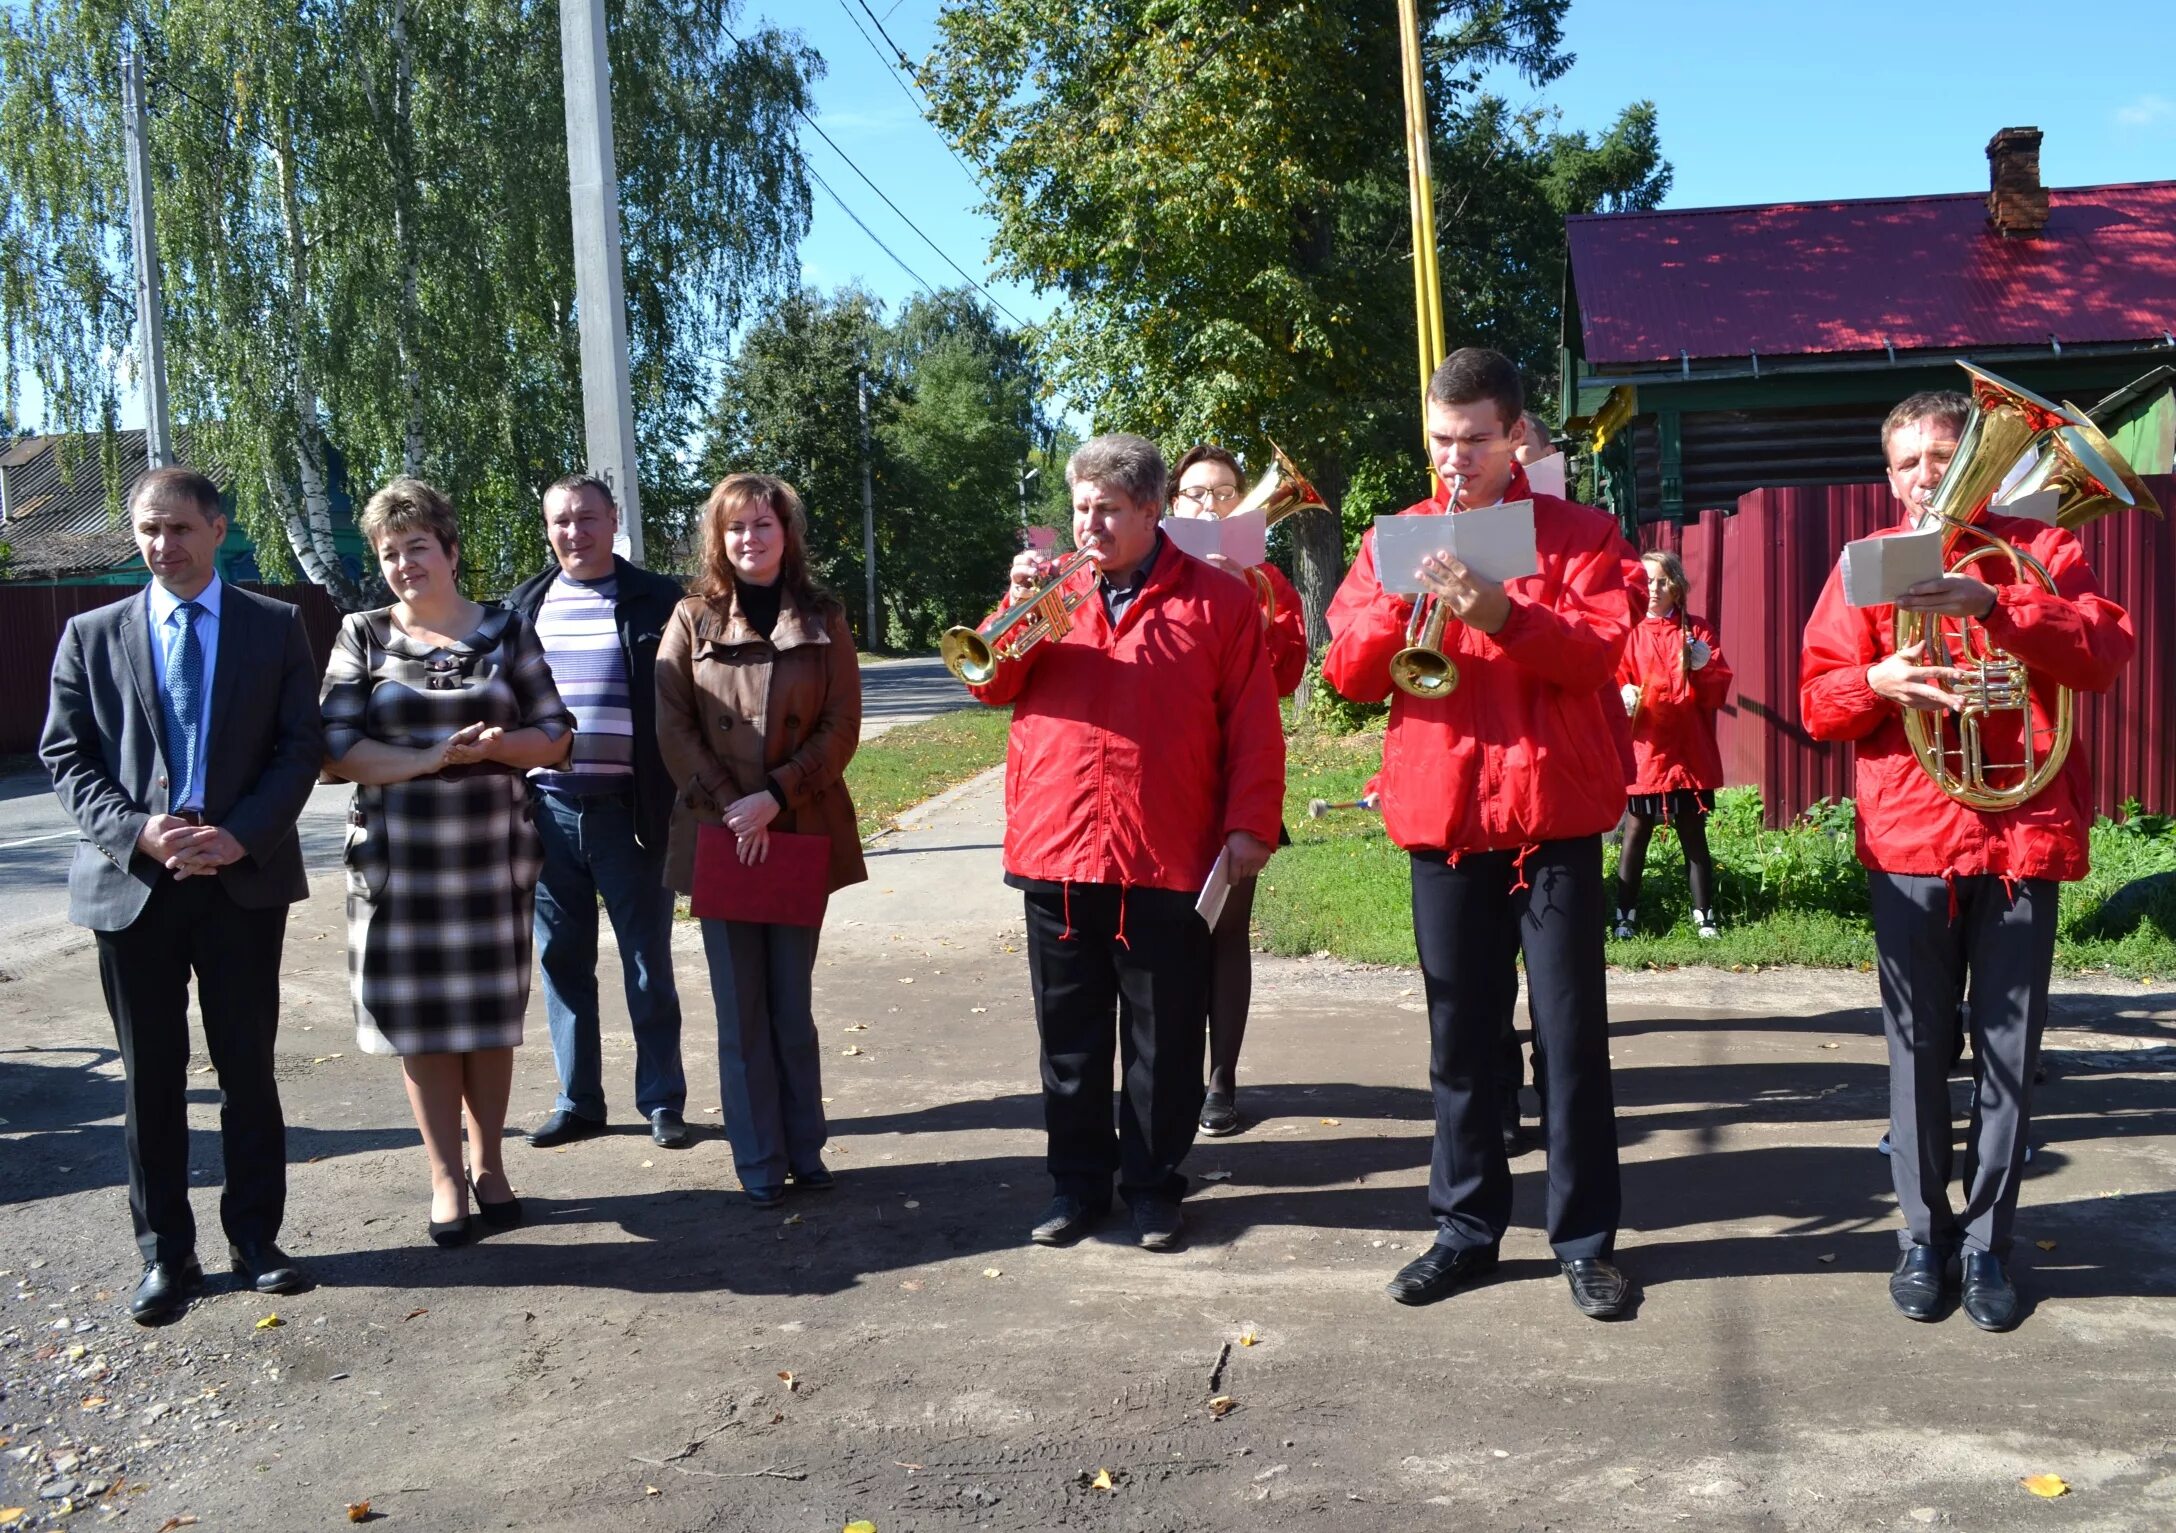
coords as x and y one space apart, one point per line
1422 669
2093 479
1280 492
972 654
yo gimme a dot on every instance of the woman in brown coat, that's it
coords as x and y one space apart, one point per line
758 712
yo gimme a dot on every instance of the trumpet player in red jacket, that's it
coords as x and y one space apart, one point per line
1206 484
1145 744
1673 679
1499 788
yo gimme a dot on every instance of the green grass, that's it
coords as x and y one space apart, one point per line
903 766
1791 896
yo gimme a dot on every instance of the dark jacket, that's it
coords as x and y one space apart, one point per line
645 604
103 746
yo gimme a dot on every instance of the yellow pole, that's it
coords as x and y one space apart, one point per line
1427 285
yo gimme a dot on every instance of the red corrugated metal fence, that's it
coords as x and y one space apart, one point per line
31 620
1758 572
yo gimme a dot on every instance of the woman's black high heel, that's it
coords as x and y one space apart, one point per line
452 1232
500 1216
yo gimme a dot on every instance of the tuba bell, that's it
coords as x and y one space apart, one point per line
1954 749
1281 491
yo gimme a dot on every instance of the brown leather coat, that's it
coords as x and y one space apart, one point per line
735 709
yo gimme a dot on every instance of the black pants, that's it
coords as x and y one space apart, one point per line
1231 984
1471 920
1129 967
190 926
2006 939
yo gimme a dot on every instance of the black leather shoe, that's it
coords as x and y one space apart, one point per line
1067 1219
448 1233
1917 1286
565 1128
1990 1299
668 1130
1599 1290
1219 1115
163 1291
1434 1273
817 1178
1515 1141
265 1267
764 1197
1157 1222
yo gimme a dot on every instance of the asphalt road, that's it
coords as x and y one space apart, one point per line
37 839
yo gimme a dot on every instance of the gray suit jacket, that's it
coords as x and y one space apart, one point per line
103 747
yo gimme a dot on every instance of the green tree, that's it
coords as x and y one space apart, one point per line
952 421
1218 189
365 237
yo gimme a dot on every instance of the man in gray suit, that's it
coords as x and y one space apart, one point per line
183 739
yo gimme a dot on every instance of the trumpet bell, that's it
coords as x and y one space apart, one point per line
1419 671
967 655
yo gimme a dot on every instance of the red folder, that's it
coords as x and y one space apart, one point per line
787 888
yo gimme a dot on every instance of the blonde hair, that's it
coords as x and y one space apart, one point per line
405 505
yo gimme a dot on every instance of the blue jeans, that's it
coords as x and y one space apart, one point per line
770 1074
590 850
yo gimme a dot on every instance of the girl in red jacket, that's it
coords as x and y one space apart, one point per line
1207 480
1499 789
1673 678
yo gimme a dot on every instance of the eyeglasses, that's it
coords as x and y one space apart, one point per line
1222 495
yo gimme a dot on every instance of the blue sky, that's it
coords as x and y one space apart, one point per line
1758 102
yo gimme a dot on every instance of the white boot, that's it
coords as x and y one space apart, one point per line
1704 922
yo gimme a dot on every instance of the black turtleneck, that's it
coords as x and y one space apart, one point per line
759 604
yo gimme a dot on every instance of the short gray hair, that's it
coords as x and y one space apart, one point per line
1123 462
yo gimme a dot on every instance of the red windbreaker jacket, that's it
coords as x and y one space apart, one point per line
2075 638
1521 750
1135 752
1287 634
1673 734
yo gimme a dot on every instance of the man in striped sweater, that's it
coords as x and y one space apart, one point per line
602 815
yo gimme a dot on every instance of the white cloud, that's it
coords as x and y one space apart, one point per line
2146 111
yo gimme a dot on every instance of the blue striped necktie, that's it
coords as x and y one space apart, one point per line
184 705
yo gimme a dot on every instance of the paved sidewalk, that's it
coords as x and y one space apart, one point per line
637 1334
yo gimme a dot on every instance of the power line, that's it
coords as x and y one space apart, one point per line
904 71
887 201
920 281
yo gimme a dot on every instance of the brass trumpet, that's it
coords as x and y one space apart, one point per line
1422 669
973 654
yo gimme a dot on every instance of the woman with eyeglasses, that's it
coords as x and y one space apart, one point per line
1208 486
435 708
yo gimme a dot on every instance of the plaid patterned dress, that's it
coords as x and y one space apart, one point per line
442 870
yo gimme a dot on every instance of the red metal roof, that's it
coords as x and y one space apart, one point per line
1916 273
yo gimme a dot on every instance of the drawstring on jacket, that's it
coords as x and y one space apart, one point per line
1518 865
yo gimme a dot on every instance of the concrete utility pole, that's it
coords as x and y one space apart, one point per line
150 314
600 294
1026 474
868 510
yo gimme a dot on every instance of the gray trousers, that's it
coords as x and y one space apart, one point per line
770 1074
1928 940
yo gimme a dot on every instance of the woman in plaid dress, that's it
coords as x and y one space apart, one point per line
434 707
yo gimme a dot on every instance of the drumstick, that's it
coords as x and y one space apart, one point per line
1318 807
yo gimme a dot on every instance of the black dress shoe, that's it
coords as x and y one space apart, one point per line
1990 1300
1434 1273
1219 1115
668 1130
1599 1290
448 1233
265 1267
565 1128
1157 1222
1067 1219
504 1215
1515 1141
163 1291
763 1197
1917 1286
817 1178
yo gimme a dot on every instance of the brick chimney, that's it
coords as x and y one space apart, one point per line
2017 204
